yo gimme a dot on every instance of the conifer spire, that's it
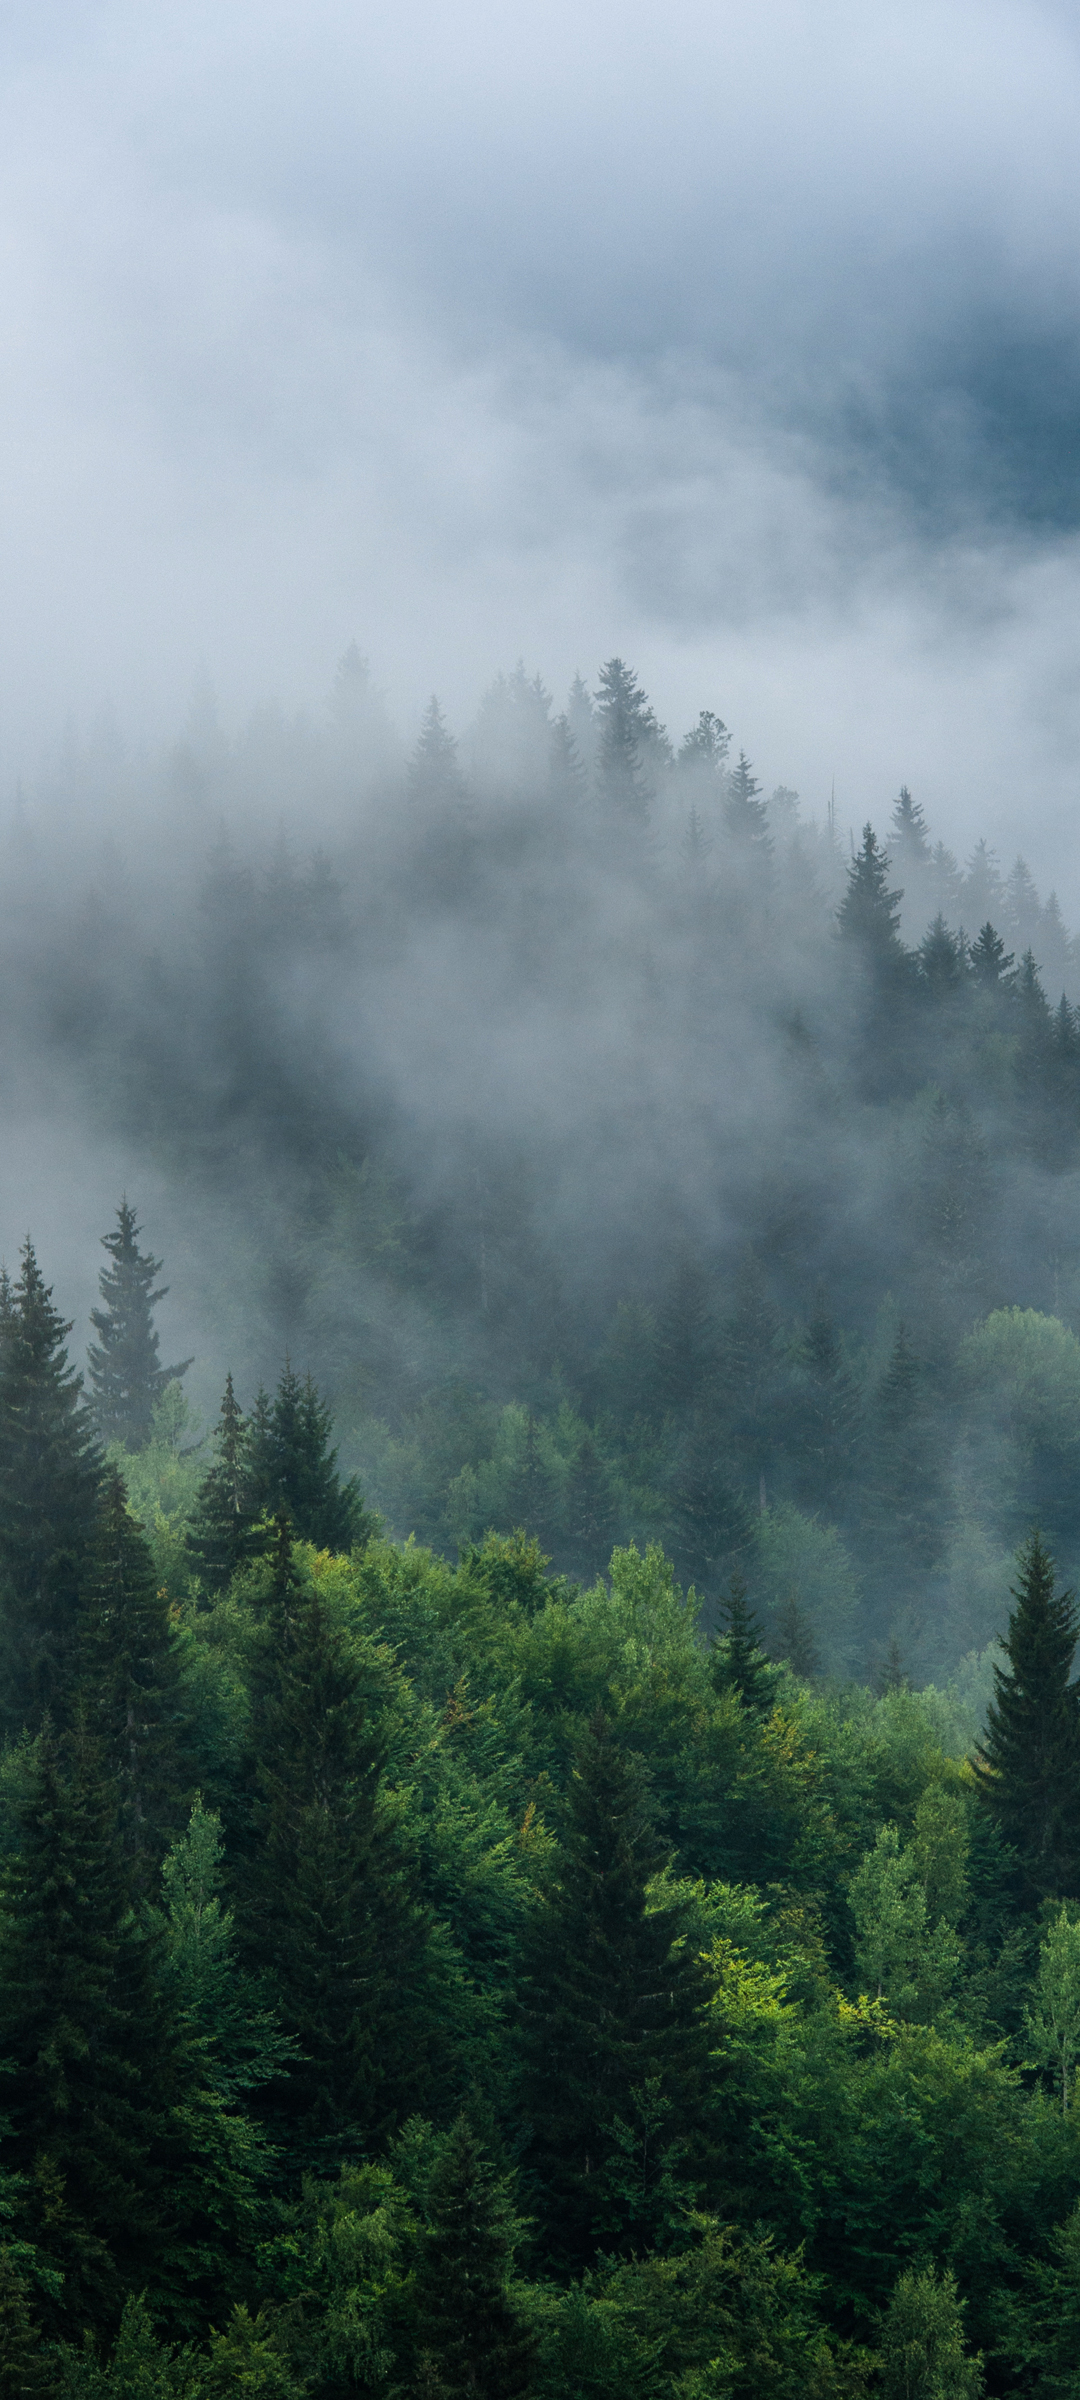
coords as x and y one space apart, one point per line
126 1375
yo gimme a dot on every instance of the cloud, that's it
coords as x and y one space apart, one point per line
743 341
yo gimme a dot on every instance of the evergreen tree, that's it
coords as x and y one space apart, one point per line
909 830
827 1411
904 1499
91 2069
590 1514
473 2336
708 1516
923 2356
126 1375
26 2369
224 1531
293 1468
615 2054
869 912
528 1505
686 1343
49 1476
704 749
629 738
566 773
1029 1768
739 1662
325 1904
129 1671
991 964
434 774
746 814
983 893
942 959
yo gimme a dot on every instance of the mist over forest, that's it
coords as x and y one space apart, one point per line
626 1154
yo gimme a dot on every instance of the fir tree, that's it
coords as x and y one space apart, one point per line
1029 1769
942 959
903 1507
983 893
909 830
739 1662
991 964
126 1375
708 1516
629 735
50 1471
615 2053
827 1410
26 2370
746 814
686 1341
293 1468
434 774
224 1531
326 1909
590 1515
129 1671
869 912
473 2336
92 2067
705 748
566 772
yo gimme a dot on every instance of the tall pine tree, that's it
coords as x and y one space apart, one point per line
1029 1768
126 1374
50 1471
129 1670
471 2334
615 2054
224 1533
293 1468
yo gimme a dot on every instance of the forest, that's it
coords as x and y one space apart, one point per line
540 1789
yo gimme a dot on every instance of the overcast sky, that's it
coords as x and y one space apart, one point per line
741 339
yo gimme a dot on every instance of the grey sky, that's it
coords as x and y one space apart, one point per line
744 340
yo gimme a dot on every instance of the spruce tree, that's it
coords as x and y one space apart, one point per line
91 2068
50 1471
869 912
909 830
903 1507
325 1905
470 2331
991 964
590 1514
827 1410
434 774
129 1671
26 2369
738 1660
1029 1766
224 1533
629 739
746 814
293 1468
126 1375
615 2054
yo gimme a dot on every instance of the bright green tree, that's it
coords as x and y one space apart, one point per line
1053 2023
923 2355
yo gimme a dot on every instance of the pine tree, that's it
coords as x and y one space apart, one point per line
708 1516
293 1468
26 2370
746 814
224 1532
615 2056
828 1409
50 1471
629 738
1029 1768
869 912
589 1513
473 2336
705 748
991 964
909 830
739 1662
566 772
90 2066
942 959
434 774
126 1375
904 1500
984 892
129 1672
325 1902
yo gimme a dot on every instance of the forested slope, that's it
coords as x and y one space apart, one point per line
440 1979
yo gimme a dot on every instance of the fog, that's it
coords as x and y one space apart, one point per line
743 343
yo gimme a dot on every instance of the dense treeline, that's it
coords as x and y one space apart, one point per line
627 1162
442 1979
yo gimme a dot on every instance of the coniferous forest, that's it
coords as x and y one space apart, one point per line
541 1822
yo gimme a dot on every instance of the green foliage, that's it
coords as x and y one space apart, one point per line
922 2342
1029 1772
49 1474
292 1467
